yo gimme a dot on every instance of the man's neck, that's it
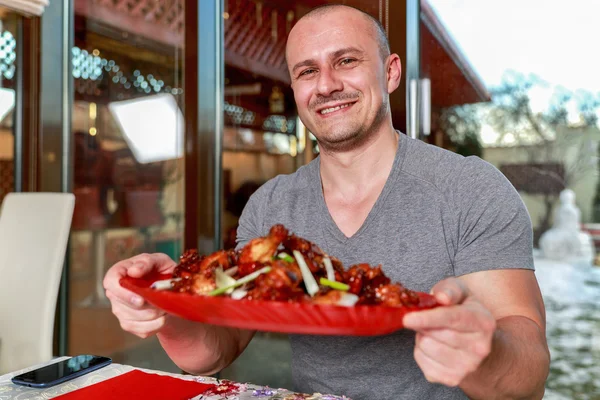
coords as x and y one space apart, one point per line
349 173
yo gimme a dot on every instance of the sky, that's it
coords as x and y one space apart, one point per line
556 40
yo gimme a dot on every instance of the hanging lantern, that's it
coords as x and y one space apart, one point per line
274 25
259 7
276 101
289 21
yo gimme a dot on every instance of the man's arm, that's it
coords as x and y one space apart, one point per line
202 349
489 339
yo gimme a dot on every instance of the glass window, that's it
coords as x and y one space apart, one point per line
127 122
8 56
507 85
263 137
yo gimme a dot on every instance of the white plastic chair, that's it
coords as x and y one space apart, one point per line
34 230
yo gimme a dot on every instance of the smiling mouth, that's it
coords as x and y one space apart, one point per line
330 110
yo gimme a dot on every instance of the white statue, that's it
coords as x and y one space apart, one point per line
565 241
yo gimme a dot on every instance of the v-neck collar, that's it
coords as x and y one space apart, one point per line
329 224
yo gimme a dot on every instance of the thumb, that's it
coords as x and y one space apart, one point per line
139 269
450 291
146 263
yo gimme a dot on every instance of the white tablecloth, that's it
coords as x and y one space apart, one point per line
10 391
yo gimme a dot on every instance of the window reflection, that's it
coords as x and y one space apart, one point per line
128 166
8 43
263 137
538 124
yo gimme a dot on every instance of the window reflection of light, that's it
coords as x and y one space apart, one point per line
7 102
281 142
152 127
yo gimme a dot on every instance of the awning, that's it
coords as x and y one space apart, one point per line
255 37
453 80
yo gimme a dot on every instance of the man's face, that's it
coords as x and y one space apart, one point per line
338 77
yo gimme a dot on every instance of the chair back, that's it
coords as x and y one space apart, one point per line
34 231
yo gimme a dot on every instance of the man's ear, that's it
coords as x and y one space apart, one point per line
394 72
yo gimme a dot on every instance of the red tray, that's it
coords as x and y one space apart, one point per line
315 319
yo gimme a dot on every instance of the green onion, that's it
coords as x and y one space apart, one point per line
309 280
329 269
285 257
240 282
334 284
223 280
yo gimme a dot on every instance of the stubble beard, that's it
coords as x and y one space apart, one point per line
351 136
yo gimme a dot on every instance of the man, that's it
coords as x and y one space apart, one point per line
434 220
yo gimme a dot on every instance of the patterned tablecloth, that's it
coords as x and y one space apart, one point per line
10 391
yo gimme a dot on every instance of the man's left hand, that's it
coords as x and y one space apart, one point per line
453 340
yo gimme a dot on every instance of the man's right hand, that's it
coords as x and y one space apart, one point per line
134 314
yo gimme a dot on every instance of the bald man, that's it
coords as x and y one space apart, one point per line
434 220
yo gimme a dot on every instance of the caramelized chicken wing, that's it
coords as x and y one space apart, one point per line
284 281
263 249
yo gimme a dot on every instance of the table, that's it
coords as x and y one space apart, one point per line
10 391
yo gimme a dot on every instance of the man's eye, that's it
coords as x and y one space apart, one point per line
307 72
347 61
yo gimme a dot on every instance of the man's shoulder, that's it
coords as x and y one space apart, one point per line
443 168
287 184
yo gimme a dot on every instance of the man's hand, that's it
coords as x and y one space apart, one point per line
451 341
135 316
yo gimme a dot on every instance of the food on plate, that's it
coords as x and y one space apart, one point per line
284 267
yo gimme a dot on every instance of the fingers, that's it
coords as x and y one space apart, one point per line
435 372
136 267
143 264
111 284
450 357
450 360
141 321
143 329
468 317
467 341
130 309
123 310
450 291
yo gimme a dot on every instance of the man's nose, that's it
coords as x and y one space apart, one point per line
328 82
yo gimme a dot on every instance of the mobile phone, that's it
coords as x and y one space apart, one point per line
62 371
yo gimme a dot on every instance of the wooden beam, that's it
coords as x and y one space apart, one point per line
123 21
30 102
236 60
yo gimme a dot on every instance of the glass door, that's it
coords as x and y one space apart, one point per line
264 137
8 56
518 86
128 174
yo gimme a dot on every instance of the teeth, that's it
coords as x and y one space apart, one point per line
332 109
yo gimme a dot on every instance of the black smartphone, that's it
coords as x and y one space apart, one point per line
62 371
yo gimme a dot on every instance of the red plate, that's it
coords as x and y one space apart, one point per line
315 319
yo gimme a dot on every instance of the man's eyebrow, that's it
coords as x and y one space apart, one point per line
335 54
345 50
304 63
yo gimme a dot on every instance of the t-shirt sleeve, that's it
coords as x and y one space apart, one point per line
250 222
494 228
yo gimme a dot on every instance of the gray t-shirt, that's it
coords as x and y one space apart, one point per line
439 215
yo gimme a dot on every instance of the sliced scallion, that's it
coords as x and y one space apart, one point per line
309 280
223 280
240 282
334 284
285 257
329 269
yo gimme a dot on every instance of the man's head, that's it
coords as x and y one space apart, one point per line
342 74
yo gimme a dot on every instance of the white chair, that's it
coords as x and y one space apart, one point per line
34 230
